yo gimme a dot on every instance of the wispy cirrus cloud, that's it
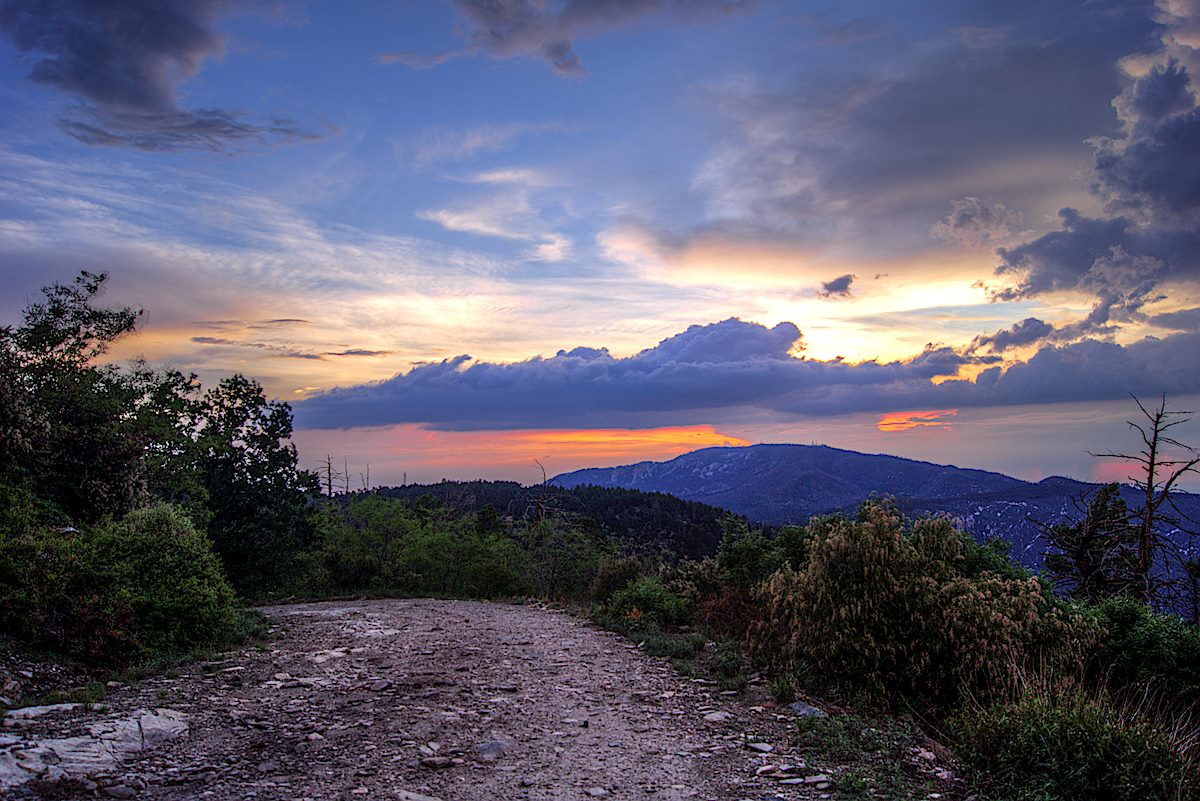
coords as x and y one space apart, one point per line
510 216
438 145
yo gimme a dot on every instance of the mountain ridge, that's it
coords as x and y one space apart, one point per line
785 483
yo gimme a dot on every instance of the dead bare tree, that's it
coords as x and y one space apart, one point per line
1161 464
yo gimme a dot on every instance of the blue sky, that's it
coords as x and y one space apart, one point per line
731 221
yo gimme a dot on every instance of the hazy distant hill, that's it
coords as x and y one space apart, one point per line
790 483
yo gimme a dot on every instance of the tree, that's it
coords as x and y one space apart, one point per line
68 426
1161 464
1095 557
260 500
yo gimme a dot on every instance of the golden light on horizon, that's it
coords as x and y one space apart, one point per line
907 421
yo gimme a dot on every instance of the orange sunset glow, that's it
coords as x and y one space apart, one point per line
430 455
907 421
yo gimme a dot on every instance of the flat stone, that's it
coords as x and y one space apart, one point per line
806 710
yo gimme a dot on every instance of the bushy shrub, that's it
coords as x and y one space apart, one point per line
794 543
1041 748
55 595
165 571
889 611
1140 647
144 586
615 575
647 601
694 581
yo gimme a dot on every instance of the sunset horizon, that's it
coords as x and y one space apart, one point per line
463 239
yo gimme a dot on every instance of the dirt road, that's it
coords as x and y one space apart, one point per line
453 700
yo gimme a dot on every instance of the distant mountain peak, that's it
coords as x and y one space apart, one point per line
785 483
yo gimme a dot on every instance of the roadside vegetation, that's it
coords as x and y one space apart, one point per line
140 512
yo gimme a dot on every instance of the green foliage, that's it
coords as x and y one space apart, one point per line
166 573
1140 647
384 546
746 556
563 560
615 575
1040 748
794 544
672 646
990 557
55 594
729 666
890 611
146 585
647 601
261 518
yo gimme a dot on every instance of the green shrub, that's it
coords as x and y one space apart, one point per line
672 646
887 611
794 544
746 556
165 571
1140 647
54 594
1070 748
383 546
563 561
614 576
648 601
694 581
143 586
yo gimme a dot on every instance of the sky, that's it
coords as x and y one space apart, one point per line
479 238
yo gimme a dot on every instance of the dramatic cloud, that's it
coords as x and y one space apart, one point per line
975 223
1148 182
548 30
837 288
124 61
736 369
875 150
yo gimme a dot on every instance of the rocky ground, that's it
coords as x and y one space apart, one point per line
411 700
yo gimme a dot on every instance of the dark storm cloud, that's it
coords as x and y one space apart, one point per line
123 61
837 288
873 146
735 368
508 28
1148 181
